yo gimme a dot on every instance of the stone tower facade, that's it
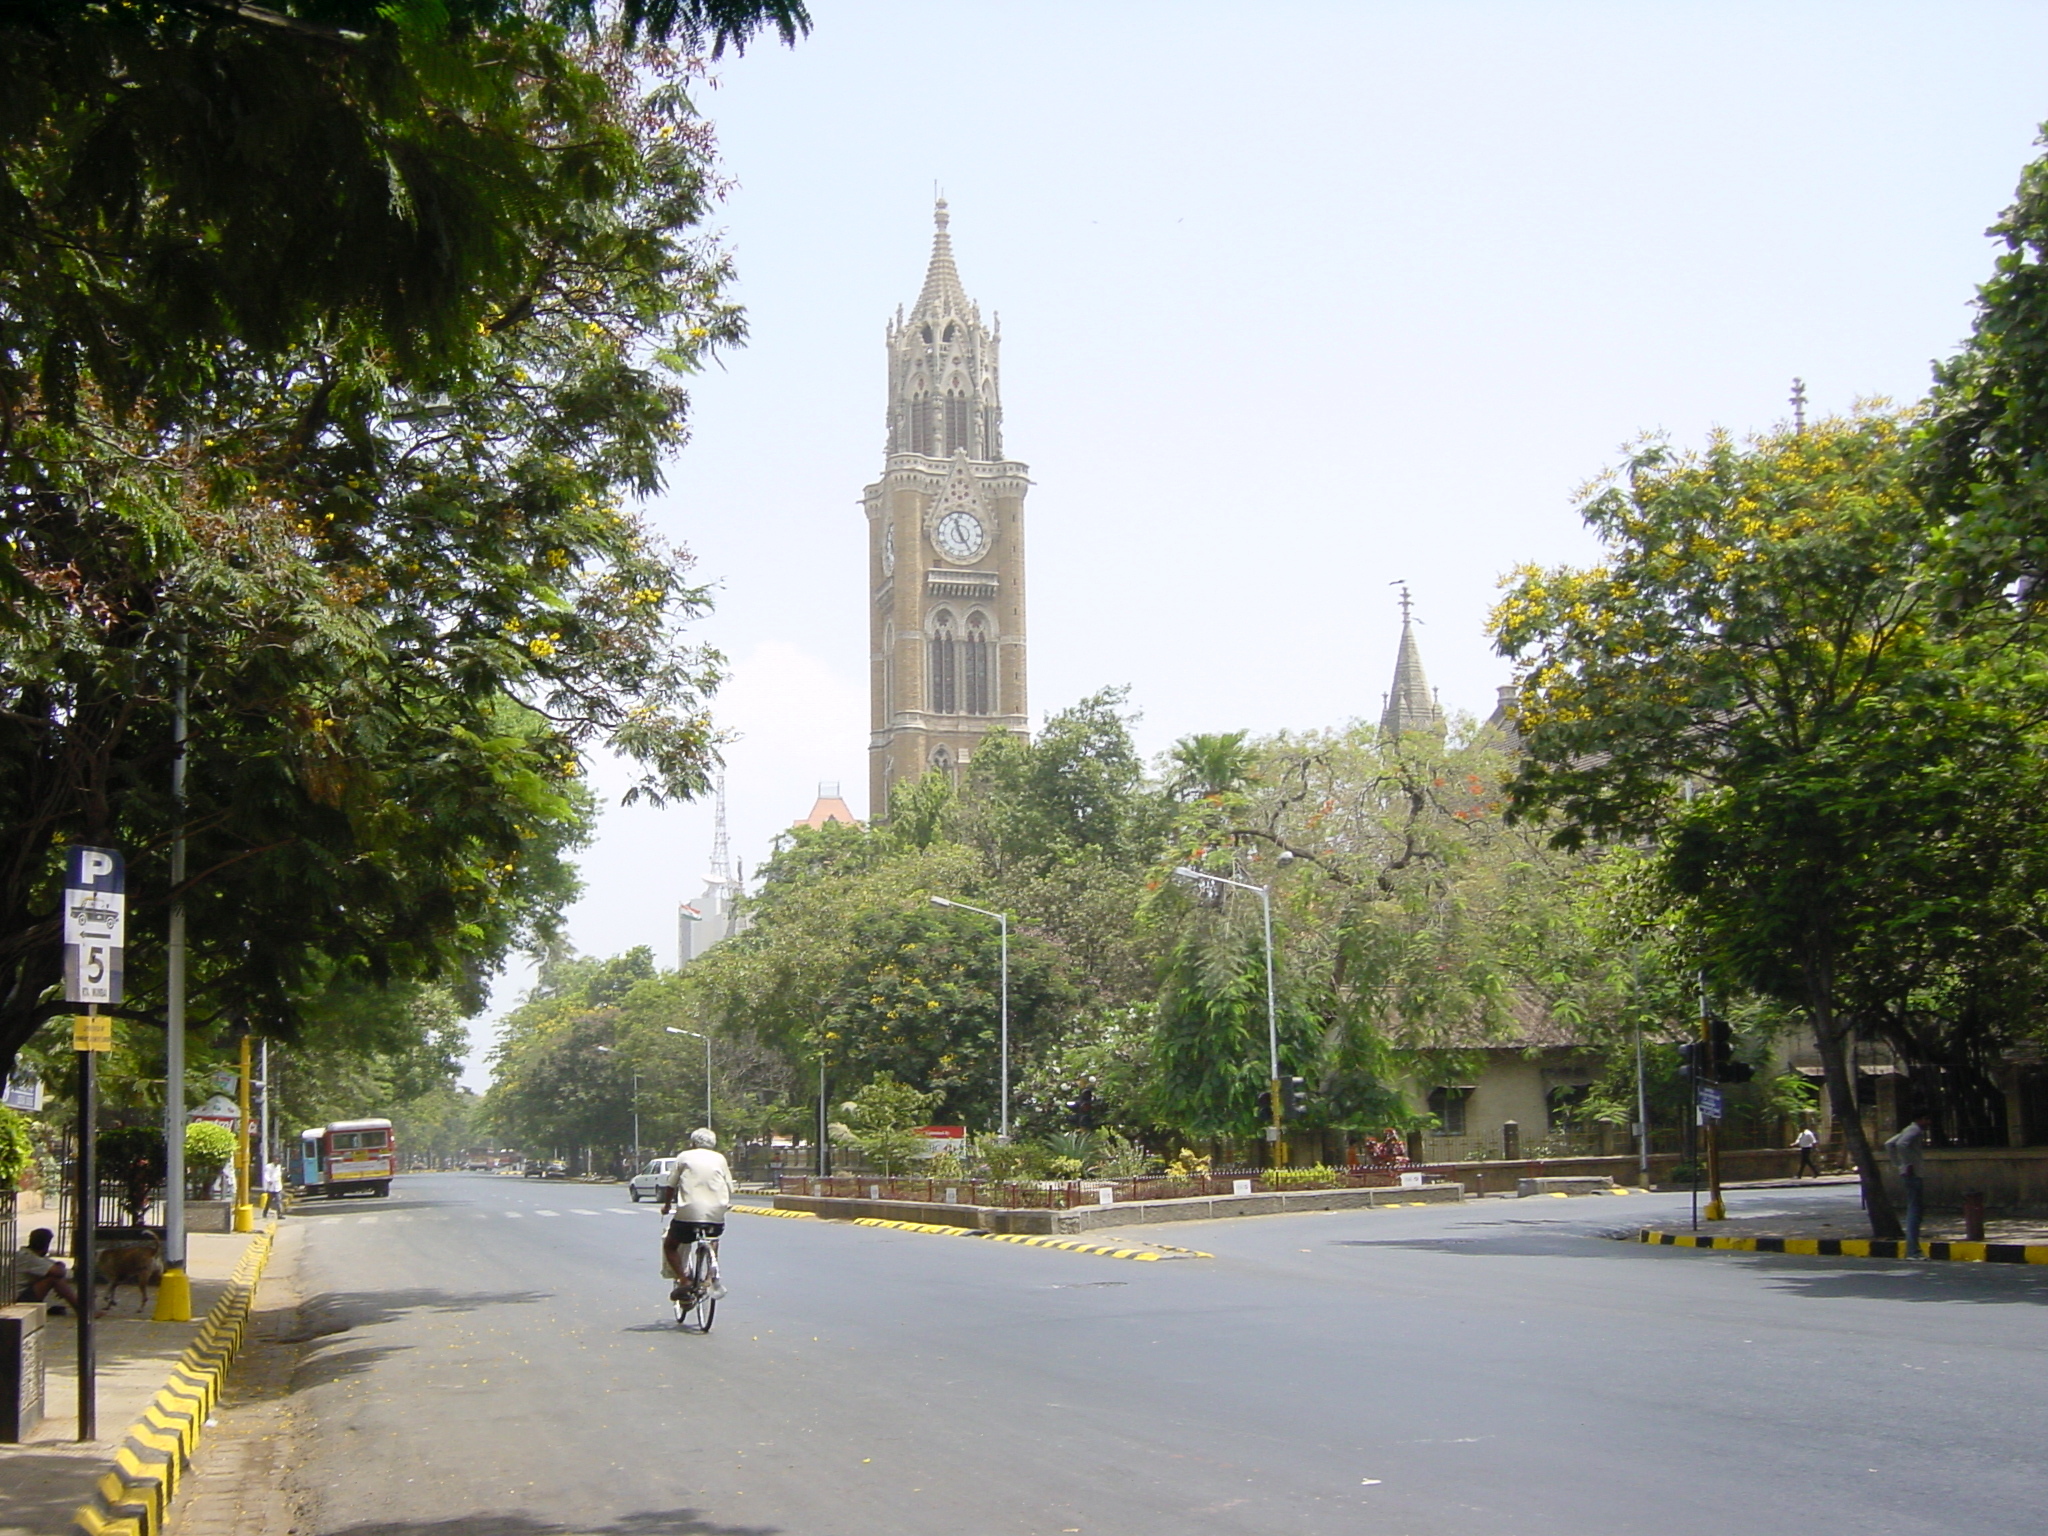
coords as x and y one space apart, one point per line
945 543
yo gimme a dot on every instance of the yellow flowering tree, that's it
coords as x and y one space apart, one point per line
1760 681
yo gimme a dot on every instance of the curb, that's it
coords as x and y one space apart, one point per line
1855 1247
1067 1245
133 1497
769 1210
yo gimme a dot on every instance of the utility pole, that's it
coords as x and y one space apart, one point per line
1716 1210
174 1290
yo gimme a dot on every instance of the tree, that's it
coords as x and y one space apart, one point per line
403 613
1757 683
160 225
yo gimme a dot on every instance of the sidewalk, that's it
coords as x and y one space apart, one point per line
1842 1219
44 1480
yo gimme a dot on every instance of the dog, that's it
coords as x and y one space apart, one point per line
138 1264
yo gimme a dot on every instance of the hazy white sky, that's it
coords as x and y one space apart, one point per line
1298 300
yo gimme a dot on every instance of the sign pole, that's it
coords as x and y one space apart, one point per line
84 1246
95 928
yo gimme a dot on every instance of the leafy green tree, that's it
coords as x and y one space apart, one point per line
1758 682
883 1119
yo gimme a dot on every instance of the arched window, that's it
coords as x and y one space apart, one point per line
959 422
921 425
952 331
942 760
944 646
977 668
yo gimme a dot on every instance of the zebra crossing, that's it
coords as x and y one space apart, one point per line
400 1218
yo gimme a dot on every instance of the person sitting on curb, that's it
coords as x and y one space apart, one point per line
42 1275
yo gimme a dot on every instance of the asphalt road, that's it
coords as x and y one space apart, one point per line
495 1357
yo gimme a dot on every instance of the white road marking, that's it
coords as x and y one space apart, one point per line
366 1221
581 1212
516 1215
538 1212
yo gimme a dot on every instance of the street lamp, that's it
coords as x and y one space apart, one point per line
1189 876
671 1029
1003 1131
636 1110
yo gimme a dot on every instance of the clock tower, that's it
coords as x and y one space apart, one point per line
945 544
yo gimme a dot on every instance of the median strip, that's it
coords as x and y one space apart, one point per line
133 1496
1855 1247
1065 1245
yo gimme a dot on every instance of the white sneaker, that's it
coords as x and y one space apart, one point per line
717 1291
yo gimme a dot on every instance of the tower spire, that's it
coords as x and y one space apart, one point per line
1411 703
943 296
721 846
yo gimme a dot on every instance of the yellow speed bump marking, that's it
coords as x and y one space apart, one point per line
769 1210
1854 1247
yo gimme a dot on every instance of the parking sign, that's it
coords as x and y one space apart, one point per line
95 925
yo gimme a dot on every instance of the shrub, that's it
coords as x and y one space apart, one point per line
1320 1176
208 1147
16 1150
1119 1157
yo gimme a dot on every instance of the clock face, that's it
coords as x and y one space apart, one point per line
960 535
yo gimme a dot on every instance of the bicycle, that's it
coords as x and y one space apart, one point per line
697 1284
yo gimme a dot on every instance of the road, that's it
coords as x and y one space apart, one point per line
494 1357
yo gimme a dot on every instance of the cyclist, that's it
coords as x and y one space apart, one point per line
699 1188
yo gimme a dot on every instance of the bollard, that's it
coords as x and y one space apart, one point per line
1973 1215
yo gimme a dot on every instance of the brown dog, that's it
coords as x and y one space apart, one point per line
138 1264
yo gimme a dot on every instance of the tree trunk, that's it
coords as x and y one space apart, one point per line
1830 1039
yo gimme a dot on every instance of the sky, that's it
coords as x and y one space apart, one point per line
1299 301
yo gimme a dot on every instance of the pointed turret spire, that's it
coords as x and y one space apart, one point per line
943 298
1411 703
943 396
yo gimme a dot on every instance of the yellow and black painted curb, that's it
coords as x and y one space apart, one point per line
1855 1247
1066 1245
134 1495
769 1210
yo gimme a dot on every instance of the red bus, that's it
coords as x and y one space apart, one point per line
349 1157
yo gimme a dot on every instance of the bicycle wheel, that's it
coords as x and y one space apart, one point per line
705 1306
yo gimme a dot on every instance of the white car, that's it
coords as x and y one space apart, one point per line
646 1184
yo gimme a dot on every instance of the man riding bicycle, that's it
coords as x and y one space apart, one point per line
699 1188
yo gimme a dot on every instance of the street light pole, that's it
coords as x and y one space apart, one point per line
707 1068
1265 895
1003 1091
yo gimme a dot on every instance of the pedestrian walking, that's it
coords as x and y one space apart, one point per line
1806 1141
1909 1156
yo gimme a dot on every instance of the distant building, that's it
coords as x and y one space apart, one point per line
714 915
829 808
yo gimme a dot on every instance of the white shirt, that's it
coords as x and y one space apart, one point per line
701 1185
1806 1139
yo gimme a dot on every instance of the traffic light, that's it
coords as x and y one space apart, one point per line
1294 1092
1726 1068
1082 1110
1690 1055
1265 1106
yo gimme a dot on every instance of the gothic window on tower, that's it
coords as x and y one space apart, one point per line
978 668
945 666
942 760
921 426
959 419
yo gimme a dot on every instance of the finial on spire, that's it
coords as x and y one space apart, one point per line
1799 405
939 215
1407 602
